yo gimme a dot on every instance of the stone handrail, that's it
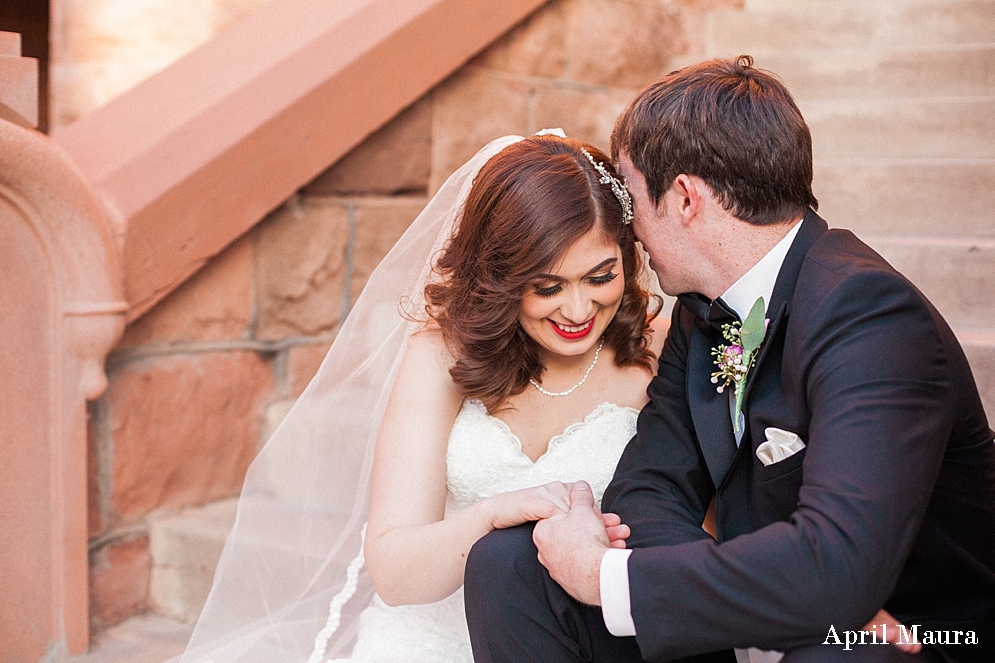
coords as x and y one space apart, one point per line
192 158
62 312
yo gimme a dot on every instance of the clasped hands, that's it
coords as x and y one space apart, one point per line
572 543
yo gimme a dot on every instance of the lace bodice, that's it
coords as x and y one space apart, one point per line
485 458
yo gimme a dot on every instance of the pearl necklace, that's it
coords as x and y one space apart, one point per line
582 380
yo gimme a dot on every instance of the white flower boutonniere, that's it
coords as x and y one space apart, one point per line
735 360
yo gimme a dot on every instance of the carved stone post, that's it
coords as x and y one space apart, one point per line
61 311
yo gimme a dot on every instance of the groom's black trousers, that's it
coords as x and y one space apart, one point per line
517 613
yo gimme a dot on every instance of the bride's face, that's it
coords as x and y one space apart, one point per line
567 310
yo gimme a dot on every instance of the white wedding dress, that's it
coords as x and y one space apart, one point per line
485 458
289 585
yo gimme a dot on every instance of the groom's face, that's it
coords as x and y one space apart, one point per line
656 227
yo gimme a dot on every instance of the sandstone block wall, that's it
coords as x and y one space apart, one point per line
192 380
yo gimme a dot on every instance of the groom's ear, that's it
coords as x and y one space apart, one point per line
689 192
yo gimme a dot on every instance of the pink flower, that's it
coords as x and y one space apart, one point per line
734 351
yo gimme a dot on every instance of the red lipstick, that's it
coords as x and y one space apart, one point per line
572 336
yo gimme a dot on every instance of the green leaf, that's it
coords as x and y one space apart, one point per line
754 328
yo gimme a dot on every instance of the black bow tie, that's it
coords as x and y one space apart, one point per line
710 314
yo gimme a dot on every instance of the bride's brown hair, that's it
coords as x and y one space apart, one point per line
528 204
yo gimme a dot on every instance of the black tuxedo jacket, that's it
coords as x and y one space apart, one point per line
891 503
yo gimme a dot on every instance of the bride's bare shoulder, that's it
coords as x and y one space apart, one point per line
423 375
429 341
429 353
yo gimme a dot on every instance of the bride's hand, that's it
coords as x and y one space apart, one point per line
617 532
528 504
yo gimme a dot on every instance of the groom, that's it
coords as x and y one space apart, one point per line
850 461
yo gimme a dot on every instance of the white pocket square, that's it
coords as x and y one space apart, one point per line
780 444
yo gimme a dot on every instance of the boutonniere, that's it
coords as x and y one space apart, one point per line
735 359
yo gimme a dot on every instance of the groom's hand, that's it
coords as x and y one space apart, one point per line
571 546
891 626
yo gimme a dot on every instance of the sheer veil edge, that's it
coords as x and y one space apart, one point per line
303 506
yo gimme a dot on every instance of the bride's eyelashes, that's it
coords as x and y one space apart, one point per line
601 279
549 291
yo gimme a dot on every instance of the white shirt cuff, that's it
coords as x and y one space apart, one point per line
615 605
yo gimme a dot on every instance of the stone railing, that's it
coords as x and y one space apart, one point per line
196 155
62 312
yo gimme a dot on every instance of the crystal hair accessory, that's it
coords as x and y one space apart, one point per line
618 187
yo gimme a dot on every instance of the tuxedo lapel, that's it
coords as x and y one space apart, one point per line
778 309
772 328
709 409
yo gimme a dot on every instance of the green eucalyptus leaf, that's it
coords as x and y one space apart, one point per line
754 328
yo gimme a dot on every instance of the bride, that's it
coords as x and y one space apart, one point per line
515 364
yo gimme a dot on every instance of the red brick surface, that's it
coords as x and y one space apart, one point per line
379 224
215 304
622 44
472 108
587 115
537 47
185 428
300 269
302 363
119 581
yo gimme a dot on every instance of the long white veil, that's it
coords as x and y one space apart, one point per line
289 586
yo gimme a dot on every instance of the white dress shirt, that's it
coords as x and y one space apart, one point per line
740 297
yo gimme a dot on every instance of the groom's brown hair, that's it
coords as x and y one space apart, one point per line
734 126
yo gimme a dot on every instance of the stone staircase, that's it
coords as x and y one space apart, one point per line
900 96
